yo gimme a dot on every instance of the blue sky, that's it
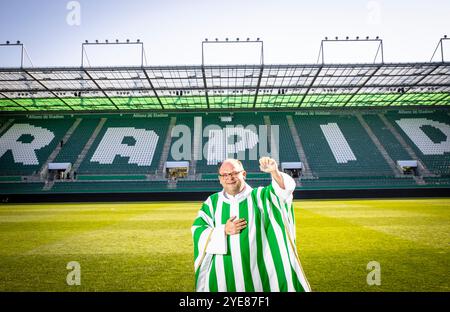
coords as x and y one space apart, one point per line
172 30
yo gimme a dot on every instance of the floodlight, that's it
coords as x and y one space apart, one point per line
226 39
248 39
346 38
367 37
18 42
106 40
117 40
326 38
357 37
86 41
7 42
96 41
128 40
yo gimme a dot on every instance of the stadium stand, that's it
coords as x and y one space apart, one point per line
73 147
392 146
208 164
126 152
66 130
287 151
182 120
338 146
32 141
126 145
428 134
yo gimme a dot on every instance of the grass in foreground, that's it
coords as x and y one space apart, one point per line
148 247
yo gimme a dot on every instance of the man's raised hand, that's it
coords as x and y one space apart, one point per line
267 164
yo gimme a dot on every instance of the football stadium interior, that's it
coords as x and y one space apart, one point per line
166 129
104 136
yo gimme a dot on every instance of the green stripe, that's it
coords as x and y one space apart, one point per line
259 249
214 198
265 212
227 259
273 245
295 281
197 233
205 209
212 276
245 248
199 221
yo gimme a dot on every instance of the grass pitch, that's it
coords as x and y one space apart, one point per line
148 246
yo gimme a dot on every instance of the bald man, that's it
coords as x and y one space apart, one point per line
244 238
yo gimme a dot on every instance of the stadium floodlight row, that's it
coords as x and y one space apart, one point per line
224 87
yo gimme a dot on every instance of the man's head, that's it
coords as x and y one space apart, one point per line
232 176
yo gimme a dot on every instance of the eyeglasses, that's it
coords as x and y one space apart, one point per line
233 174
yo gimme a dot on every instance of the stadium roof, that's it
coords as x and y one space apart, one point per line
230 87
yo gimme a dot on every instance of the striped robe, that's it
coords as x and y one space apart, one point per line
263 257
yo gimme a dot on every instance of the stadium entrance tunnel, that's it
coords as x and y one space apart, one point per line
176 169
294 169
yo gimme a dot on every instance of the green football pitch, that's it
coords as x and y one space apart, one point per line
148 247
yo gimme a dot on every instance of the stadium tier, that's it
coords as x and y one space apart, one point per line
390 143
74 146
184 130
338 145
27 143
126 145
428 135
339 149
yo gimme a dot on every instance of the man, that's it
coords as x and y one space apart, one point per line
244 238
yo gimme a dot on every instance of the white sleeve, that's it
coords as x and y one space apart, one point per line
218 241
289 187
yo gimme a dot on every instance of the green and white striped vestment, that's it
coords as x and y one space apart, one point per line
263 257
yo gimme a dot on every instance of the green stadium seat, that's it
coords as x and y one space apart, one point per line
47 130
436 161
101 164
367 160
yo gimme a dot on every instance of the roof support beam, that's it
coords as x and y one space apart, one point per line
362 86
310 86
414 85
258 85
98 86
338 85
206 87
153 88
47 89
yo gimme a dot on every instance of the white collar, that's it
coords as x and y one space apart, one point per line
238 197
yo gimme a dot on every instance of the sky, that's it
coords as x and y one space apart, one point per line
173 30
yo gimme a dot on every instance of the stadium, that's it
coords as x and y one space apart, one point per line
108 166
